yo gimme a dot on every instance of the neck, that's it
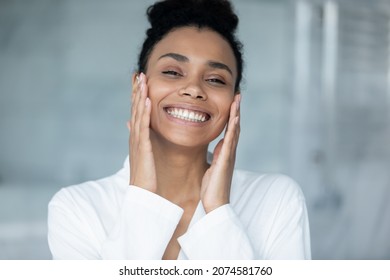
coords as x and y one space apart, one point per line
180 170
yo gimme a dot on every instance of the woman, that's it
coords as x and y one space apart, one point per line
179 205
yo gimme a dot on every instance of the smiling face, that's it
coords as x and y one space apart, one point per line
191 79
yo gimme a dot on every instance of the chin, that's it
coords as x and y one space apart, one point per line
183 139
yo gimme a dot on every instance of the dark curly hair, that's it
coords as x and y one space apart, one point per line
217 15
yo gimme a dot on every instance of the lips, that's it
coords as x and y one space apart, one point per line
187 114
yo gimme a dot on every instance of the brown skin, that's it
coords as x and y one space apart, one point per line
194 69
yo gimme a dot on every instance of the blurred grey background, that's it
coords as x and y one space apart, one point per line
316 101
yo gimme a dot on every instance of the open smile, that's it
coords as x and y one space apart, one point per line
186 114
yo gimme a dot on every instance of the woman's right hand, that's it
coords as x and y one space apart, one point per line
142 166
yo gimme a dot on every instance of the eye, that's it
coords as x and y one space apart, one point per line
216 81
172 73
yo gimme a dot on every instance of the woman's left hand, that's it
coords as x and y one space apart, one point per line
215 189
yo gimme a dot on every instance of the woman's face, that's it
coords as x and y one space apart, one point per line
191 79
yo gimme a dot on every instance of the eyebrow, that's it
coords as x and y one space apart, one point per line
212 64
219 65
175 56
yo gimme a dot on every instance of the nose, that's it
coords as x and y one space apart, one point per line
193 91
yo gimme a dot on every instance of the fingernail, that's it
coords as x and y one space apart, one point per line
128 125
147 102
137 79
236 120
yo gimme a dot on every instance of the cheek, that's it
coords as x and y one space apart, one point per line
152 90
156 92
224 106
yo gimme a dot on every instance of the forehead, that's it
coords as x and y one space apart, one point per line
196 44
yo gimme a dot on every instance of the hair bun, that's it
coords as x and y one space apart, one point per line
169 12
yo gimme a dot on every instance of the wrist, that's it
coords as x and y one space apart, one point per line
211 206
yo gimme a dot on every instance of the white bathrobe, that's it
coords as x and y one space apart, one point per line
108 219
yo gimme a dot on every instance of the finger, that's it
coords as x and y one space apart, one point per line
230 129
237 131
135 86
141 102
232 132
222 151
238 100
138 103
238 120
145 124
234 110
135 99
138 108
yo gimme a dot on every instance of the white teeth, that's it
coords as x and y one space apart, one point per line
187 115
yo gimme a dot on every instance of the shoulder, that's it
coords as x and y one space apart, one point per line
273 210
271 187
276 181
89 194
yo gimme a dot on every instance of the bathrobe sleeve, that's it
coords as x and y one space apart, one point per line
278 229
218 235
143 225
